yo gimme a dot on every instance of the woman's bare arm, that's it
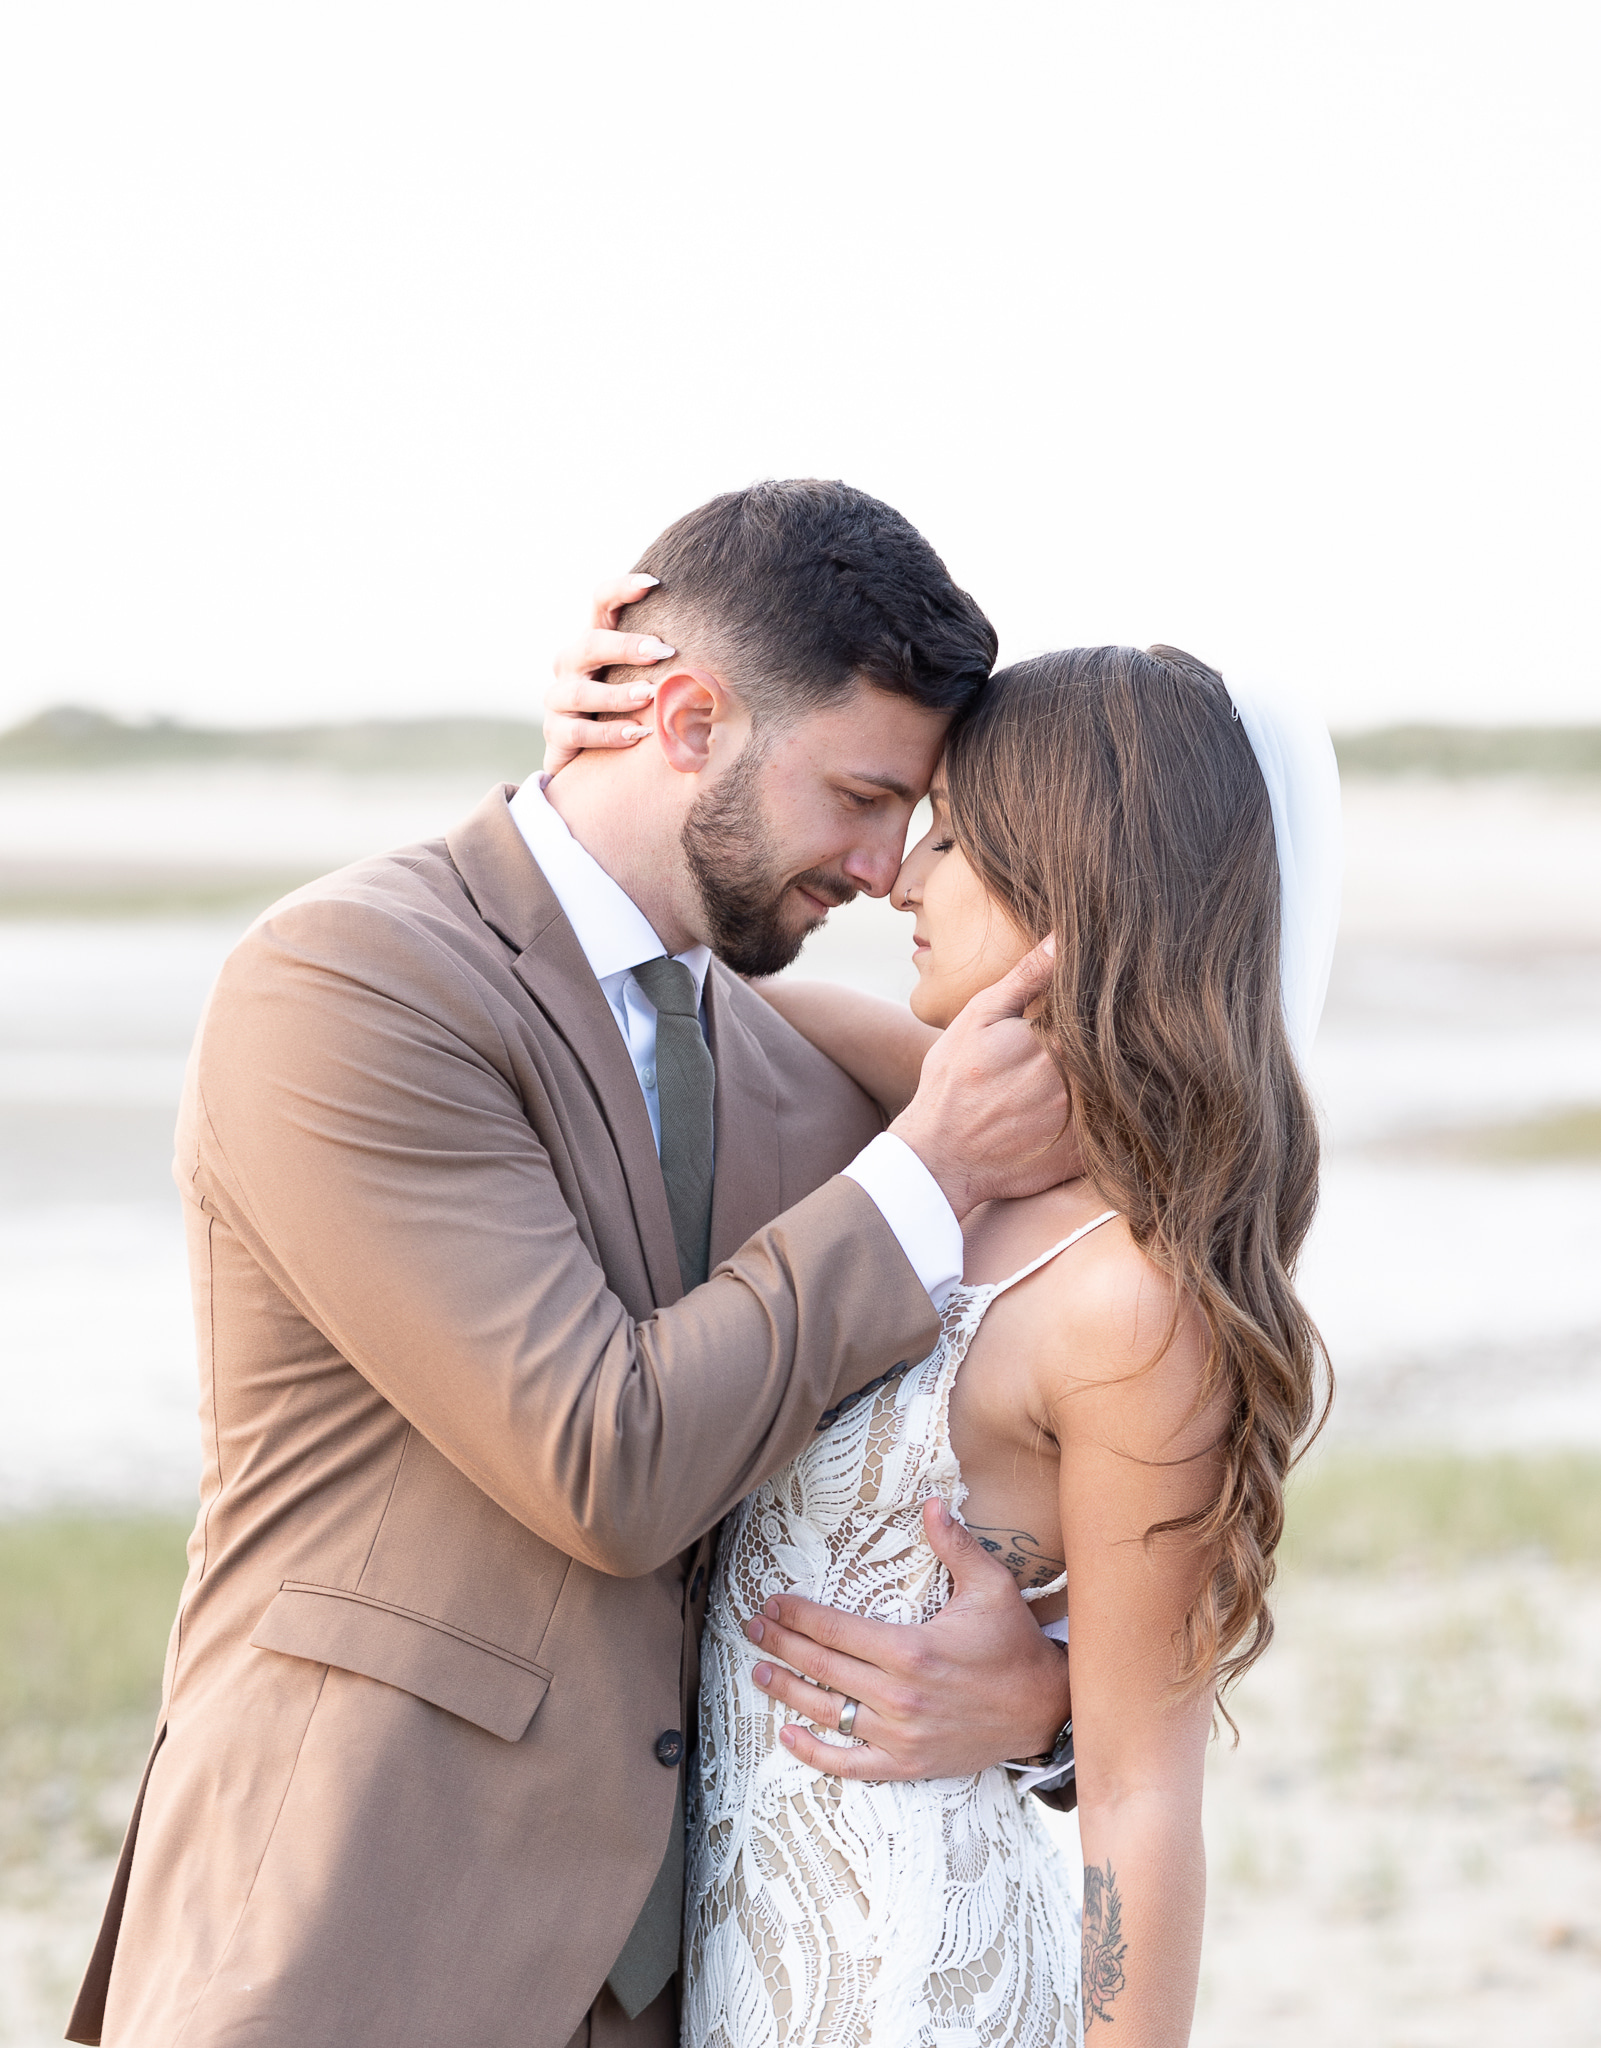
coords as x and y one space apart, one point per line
881 1045
1133 1455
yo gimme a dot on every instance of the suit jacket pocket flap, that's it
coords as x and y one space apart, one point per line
475 1680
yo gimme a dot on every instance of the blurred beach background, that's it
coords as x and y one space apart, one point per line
354 342
1413 1815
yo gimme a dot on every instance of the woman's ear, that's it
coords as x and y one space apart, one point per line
690 704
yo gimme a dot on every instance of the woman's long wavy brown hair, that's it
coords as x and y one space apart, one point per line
1111 797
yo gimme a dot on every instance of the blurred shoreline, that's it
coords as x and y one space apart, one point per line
1409 1826
1458 1069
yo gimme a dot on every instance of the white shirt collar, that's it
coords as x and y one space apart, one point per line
613 931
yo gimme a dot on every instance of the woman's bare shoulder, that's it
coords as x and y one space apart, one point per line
1114 1339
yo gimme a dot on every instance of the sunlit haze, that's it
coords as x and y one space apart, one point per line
348 344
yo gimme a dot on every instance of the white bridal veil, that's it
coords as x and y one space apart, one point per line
1296 756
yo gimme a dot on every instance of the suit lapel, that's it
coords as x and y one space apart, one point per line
514 898
556 974
746 1186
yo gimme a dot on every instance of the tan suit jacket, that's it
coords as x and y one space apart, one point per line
464 1444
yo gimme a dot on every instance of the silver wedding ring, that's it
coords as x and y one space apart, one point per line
847 1717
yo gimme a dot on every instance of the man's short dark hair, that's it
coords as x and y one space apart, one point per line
794 591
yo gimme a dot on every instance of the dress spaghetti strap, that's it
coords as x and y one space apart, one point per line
1045 1258
1058 1629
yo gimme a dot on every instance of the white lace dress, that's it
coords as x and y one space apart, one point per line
822 1912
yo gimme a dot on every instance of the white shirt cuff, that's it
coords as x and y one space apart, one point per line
1031 1776
912 1204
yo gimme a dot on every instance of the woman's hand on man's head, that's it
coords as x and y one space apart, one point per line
580 710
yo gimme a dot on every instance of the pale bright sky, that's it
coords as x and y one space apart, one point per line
347 344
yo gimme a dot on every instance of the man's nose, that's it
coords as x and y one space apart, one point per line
874 868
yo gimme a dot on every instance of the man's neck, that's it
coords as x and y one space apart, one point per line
631 837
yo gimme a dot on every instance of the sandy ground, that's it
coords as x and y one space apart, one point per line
1406 1848
52 1896
1404 1851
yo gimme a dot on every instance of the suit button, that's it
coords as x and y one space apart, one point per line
669 1748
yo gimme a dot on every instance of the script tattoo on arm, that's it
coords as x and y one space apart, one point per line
1104 1946
1020 1553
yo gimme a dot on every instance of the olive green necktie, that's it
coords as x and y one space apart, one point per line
685 1085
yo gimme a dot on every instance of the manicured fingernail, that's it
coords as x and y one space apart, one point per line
763 1675
633 732
1048 945
946 1516
649 582
771 1610
787 1737
753 1628
652 649
643 694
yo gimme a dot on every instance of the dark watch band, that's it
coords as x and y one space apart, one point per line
1060 1754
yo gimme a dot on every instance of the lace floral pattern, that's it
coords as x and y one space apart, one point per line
822 1912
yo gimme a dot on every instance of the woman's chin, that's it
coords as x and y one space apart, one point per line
928 1006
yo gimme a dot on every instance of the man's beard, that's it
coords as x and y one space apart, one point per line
742 888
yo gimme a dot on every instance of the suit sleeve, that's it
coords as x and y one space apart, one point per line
371 1150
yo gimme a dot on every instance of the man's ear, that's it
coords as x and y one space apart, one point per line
690 705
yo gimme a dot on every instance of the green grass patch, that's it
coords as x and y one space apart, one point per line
1456 750
1567 1134
68 736
86 1603
85 1606
1560 1135
1439 1510
103 889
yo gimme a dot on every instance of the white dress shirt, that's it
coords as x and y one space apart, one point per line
616 936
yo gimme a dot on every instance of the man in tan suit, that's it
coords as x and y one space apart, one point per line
525 1241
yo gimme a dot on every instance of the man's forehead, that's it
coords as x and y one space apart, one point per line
875 737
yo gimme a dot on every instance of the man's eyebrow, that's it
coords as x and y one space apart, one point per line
895 787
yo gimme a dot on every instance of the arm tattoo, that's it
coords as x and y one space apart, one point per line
1020 1553
1104 1946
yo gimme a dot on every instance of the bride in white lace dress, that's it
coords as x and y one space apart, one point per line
818 1906
1113 1404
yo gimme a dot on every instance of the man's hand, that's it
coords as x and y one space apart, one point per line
974 1686
989 1119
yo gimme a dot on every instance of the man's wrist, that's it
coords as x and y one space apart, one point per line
1061 1749
951 1176
915 1207
1052 1766
1051 1771
1058 1703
